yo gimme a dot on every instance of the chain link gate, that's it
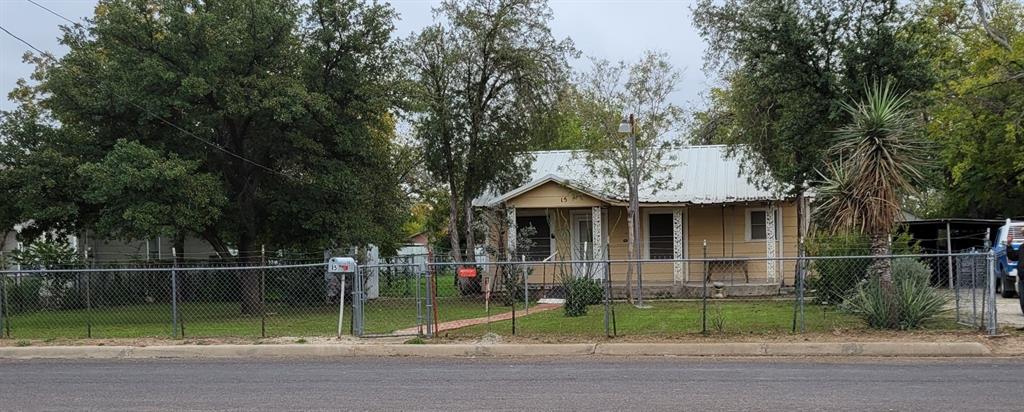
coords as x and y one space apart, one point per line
391 299
974 291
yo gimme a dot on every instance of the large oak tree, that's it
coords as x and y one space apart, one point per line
244 122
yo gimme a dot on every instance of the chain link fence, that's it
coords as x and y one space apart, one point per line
408 296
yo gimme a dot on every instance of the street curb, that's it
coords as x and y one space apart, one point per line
910 349
922 349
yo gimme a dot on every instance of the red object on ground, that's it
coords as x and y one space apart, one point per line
467 272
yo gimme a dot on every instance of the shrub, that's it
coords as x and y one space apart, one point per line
915 301
511 278
580 293
24 295
833 279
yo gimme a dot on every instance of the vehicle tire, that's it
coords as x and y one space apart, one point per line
1020 296
1007 287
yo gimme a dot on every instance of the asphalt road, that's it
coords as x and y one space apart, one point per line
515 384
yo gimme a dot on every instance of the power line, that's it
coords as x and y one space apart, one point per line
21 40
55 13
161 119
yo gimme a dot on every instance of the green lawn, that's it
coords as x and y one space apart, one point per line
223 319
679 317
390 313
395 309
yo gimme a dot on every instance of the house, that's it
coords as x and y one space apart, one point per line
711 210
102 250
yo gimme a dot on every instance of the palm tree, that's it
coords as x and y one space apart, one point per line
880 161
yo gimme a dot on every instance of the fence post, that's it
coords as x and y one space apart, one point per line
419 302
3 299
802 265
992 326
526 286
798 306
607 293
174 294
430 300
512 298
263 291
956 286
704 298
88 304
357 303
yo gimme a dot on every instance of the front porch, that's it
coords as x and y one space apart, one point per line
738 243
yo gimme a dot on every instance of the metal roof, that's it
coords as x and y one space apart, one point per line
700 175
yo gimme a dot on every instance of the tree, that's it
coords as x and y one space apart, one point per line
978 107
140 191
279 111
881 164
607 93
485 76
788 65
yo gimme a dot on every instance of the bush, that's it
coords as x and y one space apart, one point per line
915 301
833 279
511 278
580 293
24 295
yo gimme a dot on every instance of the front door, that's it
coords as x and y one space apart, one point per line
582 243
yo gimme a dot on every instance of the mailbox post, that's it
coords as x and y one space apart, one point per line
340 267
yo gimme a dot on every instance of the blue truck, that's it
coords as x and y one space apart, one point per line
1007 247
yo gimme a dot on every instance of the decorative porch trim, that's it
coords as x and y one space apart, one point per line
513 233
678 266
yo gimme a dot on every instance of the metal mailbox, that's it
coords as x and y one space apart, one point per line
341 265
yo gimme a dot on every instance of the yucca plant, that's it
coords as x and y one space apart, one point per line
912 301
879 161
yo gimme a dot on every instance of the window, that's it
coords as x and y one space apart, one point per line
153 249
534 237
659 236
758 224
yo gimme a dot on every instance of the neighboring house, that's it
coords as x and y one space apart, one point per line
709 200
158 248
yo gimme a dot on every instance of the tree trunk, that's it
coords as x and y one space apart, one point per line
881 267
629 255
250 299
470 286
453 225
470 236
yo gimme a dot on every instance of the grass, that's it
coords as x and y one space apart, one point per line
682 317
397 309
223 319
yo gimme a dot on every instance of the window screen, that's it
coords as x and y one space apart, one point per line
659 236
536 245
758 225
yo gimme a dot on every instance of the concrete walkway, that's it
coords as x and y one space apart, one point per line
462 323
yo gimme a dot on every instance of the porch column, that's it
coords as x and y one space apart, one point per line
678 267
597 238
771 243
510 216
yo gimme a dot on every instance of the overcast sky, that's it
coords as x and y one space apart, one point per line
611 29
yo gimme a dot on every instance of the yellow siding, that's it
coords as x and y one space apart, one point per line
553 195
701 223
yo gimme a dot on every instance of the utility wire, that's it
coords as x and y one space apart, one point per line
21 40
55 13
154 115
